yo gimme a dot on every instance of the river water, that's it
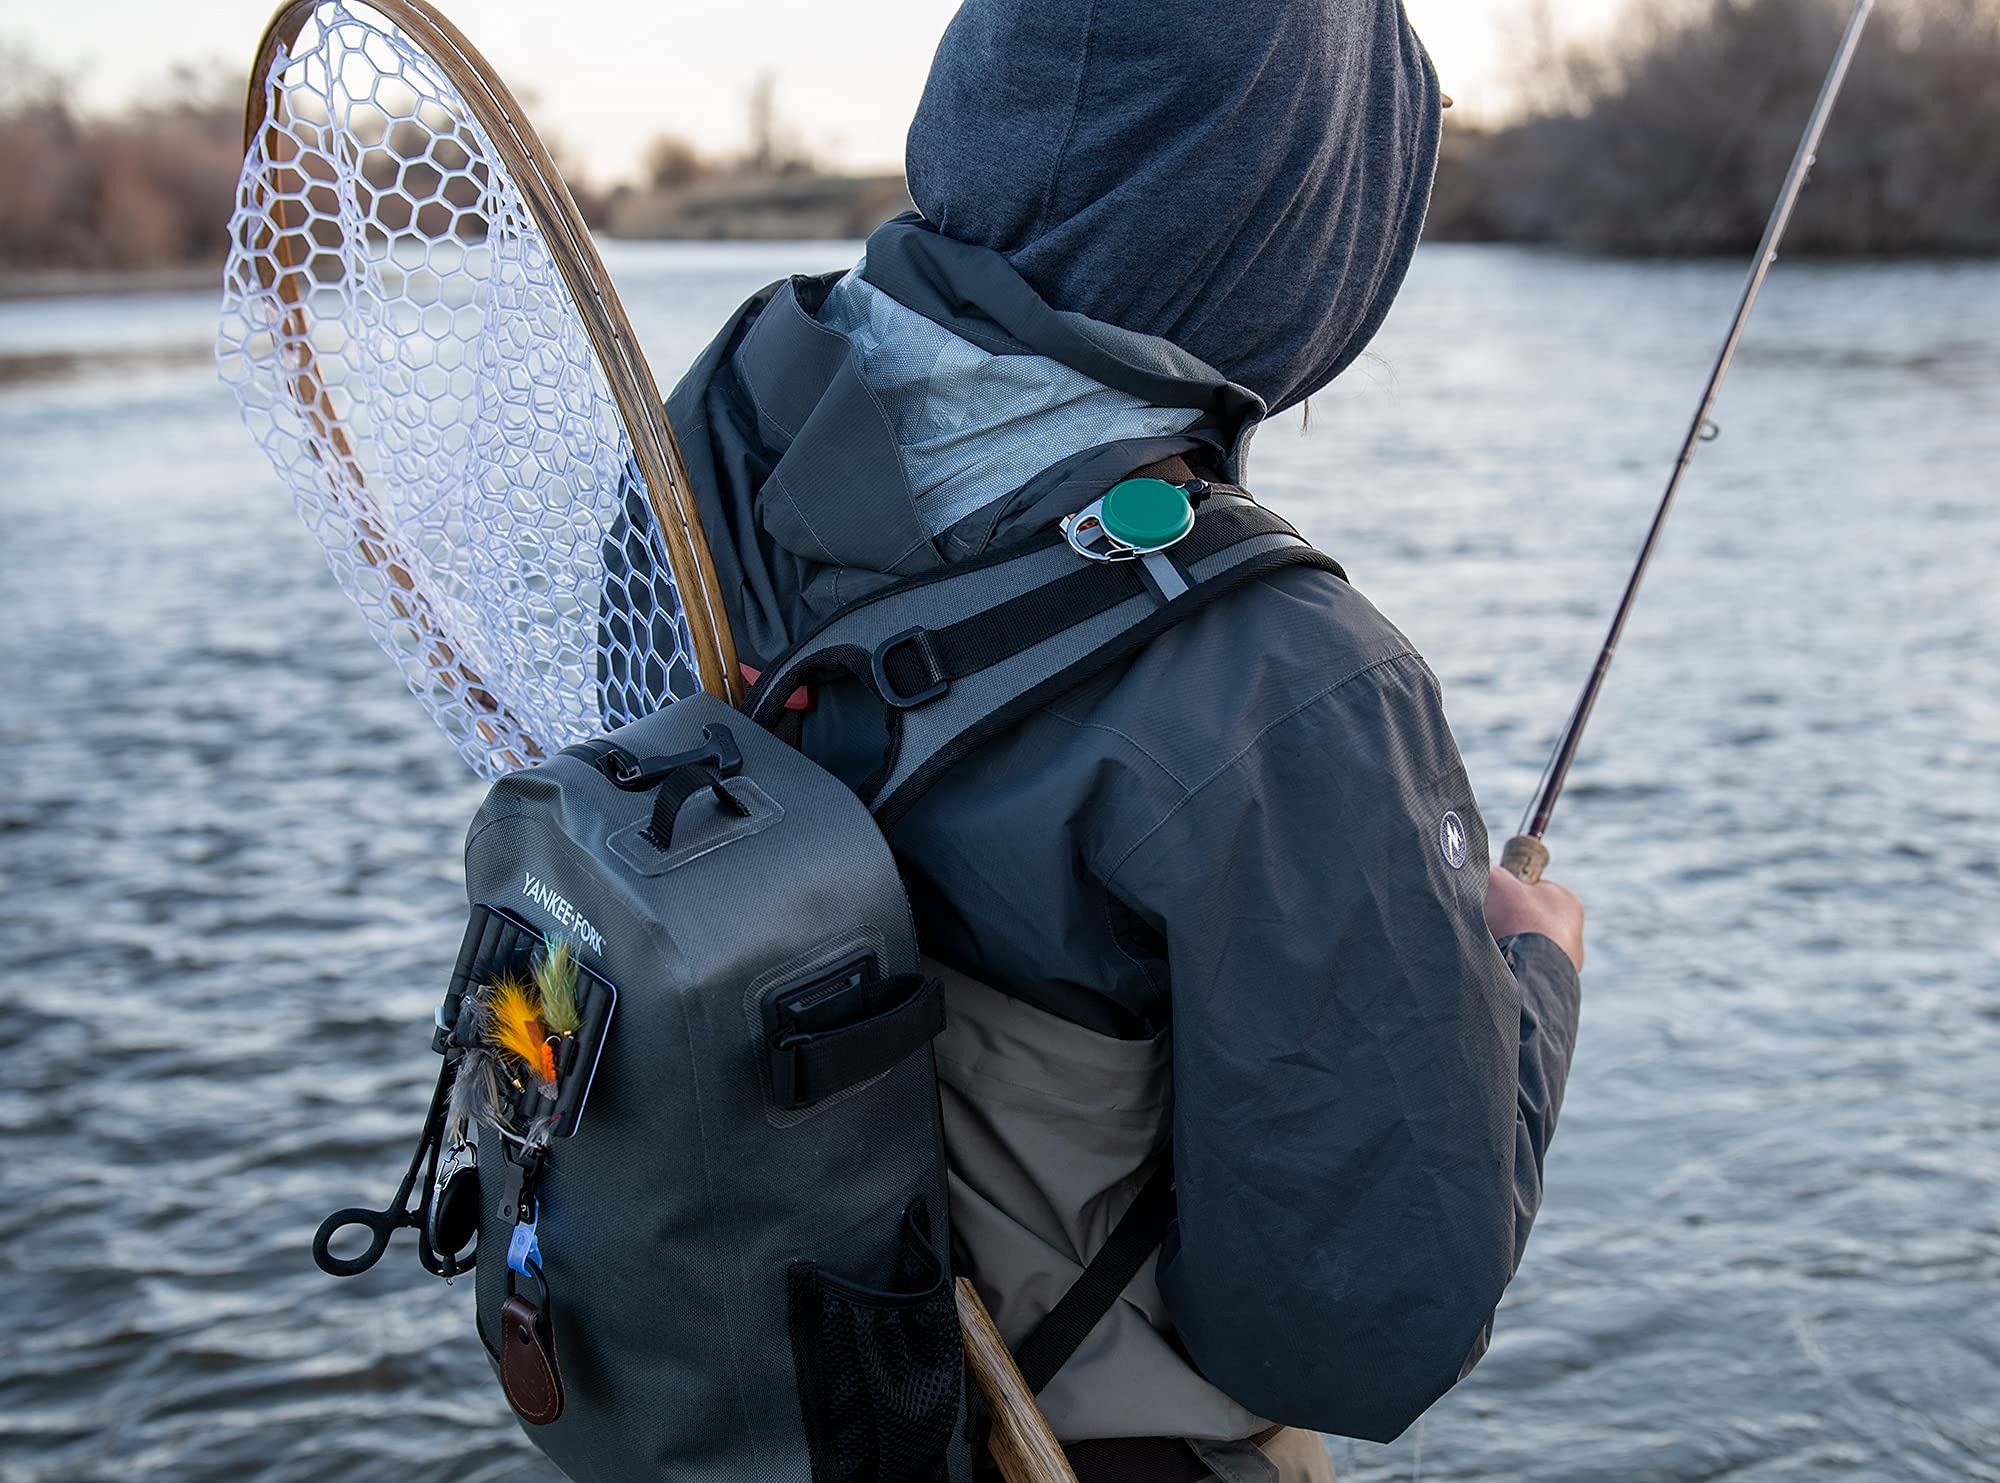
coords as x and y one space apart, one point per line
1771 1248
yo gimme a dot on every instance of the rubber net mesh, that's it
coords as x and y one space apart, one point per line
406 353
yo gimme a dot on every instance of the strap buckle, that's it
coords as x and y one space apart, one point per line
634 774
788 1071
919 641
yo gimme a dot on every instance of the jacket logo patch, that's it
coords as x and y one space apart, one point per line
1451 839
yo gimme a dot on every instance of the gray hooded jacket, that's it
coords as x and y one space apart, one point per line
1248 182
1247 837
1251 852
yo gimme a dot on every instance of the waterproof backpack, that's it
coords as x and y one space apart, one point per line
687 1121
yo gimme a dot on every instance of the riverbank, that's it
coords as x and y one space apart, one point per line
63 283
1664 139
786 208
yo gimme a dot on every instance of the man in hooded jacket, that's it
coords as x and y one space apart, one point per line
1228 903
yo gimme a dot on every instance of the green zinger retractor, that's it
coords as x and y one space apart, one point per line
1146 514
1135 518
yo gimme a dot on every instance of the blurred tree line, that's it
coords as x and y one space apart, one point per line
1671 136
774 149
149 187
773 190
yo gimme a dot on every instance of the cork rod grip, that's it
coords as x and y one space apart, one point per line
1525 858
1021 1442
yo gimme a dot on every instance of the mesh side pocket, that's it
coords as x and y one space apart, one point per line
880 1373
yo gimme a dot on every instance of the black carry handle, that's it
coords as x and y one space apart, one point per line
680 785
678 775
636 774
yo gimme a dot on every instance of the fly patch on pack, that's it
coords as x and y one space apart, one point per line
686 1130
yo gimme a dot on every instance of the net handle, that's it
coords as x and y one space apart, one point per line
554 210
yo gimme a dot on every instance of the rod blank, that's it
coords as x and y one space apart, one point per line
1525 862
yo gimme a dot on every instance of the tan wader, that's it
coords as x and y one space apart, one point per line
1051 1130
1298 1456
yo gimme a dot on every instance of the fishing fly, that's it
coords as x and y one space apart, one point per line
476 1095
514 1028
555 982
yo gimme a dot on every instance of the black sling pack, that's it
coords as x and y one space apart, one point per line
714 1244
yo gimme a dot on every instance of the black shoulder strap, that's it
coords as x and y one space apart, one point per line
959 655
1138 1234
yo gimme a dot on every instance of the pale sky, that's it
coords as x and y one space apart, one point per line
602 77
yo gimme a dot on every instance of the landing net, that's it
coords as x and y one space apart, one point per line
407 354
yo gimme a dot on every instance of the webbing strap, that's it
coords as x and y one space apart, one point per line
957 656
918 663
810 1065
681 784
675 778
915 664
1138 1234
1137 1460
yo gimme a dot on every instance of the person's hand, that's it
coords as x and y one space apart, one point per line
1512 905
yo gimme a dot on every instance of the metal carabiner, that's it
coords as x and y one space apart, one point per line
1145 506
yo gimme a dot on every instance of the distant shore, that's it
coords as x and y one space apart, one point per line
742 223
1665 138
786 208
58 283
783 208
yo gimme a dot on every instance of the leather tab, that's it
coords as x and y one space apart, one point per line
528 1364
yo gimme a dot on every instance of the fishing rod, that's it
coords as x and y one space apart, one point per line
1525 855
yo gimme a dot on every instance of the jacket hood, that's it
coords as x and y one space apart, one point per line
1246 181
804 458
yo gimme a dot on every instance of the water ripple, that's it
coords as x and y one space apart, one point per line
1772 1244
